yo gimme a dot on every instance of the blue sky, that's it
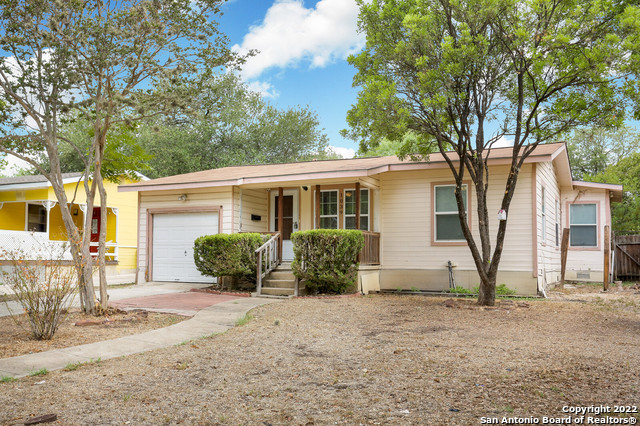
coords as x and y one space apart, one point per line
302 60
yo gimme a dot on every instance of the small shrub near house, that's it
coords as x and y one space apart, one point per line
227 255
326 259
44 286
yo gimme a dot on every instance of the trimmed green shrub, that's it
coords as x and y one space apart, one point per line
231 255
326 259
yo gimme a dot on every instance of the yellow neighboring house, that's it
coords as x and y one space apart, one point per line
30 217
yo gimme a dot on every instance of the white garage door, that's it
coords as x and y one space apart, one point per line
173 236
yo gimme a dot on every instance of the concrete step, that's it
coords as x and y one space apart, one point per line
268 296
283 267
270 282
275 291
281 275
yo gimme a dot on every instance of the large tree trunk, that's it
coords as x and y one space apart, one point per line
88 261
487 294
81 256
104 297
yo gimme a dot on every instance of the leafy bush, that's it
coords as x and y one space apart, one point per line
504 290
231 255
501 289
326 259
43 285
459 290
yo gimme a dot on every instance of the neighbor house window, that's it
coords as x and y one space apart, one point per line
583 225
446 221
36 218
544 216
350 209
329 209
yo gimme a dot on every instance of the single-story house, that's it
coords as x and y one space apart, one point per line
406 210
31 220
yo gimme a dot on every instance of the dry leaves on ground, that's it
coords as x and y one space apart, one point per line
16 338
366 360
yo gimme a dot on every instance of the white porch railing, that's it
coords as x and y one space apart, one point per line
34 245
37 246
268 259
108 255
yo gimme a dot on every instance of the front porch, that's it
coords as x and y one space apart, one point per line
287 209
36 228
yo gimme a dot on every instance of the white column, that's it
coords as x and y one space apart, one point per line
115 250
48 205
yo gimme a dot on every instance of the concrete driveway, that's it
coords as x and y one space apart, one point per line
117 293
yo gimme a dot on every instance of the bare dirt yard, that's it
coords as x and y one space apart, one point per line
362 360
16 338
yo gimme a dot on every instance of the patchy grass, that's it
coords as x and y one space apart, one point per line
7 379
41 372
243 320
75 365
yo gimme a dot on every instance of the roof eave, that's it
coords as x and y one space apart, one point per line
314 175
615 190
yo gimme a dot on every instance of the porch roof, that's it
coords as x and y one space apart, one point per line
33 181
326 169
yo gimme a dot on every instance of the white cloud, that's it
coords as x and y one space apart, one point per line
14 165
266 90
291 34
503 142
343 152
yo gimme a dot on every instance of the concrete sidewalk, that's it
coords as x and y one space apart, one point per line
214 319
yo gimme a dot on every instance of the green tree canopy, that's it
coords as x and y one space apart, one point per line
593 149
625 215
230 125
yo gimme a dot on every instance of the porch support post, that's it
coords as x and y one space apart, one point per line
114 210
280 221
48 205
357 205
317 207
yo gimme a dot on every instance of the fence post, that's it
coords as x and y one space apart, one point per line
564 247
607 256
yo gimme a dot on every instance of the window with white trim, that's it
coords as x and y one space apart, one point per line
350 209
329 209
36 218
544 216
446 222
583 225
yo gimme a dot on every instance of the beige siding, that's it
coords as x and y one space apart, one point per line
254 201
306 208
169 199
548 253
587 264
406 221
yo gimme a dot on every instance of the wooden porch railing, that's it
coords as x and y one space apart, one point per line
268 259
370 254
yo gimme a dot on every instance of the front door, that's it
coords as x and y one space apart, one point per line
95 229
289 219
